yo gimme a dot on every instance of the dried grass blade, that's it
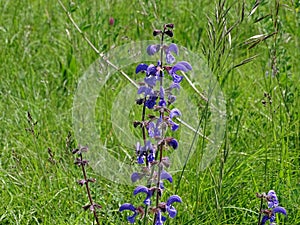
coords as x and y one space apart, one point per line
254 8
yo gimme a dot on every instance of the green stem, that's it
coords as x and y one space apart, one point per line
260 208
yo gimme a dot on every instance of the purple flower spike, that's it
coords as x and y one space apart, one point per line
170 209
152 49
128 206
272 199
141 67
271 214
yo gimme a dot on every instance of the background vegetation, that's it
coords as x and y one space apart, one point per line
252 48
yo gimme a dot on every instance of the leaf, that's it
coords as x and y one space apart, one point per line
254 8
245 61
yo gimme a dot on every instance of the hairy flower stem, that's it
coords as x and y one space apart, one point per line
146 158
144 131
88 190
162 130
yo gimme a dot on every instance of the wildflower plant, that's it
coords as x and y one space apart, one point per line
81 162
273 207
156 128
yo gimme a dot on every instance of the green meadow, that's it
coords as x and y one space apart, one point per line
252 49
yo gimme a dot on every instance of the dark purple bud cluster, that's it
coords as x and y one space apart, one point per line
168 30
156 128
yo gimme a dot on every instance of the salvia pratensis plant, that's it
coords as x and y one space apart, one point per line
272 210
81 162
151 152
155 127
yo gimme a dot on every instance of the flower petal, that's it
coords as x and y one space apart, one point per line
140 189
160 219
183 66
151 70
173 143
135 176
140 159
150 80
279 209
161 92
162 103
175 85
173 198
131 219
166 176
146 90
172 211
174 113
272 199
151 157
272 219
264 220
176 78
174 126
141 67
152 49
170 59
150 129
173 48
127 206
171 99
151 102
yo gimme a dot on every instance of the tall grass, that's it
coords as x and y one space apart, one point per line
253 51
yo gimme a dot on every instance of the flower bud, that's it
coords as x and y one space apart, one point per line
156 32
169 33
170 25
111 21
